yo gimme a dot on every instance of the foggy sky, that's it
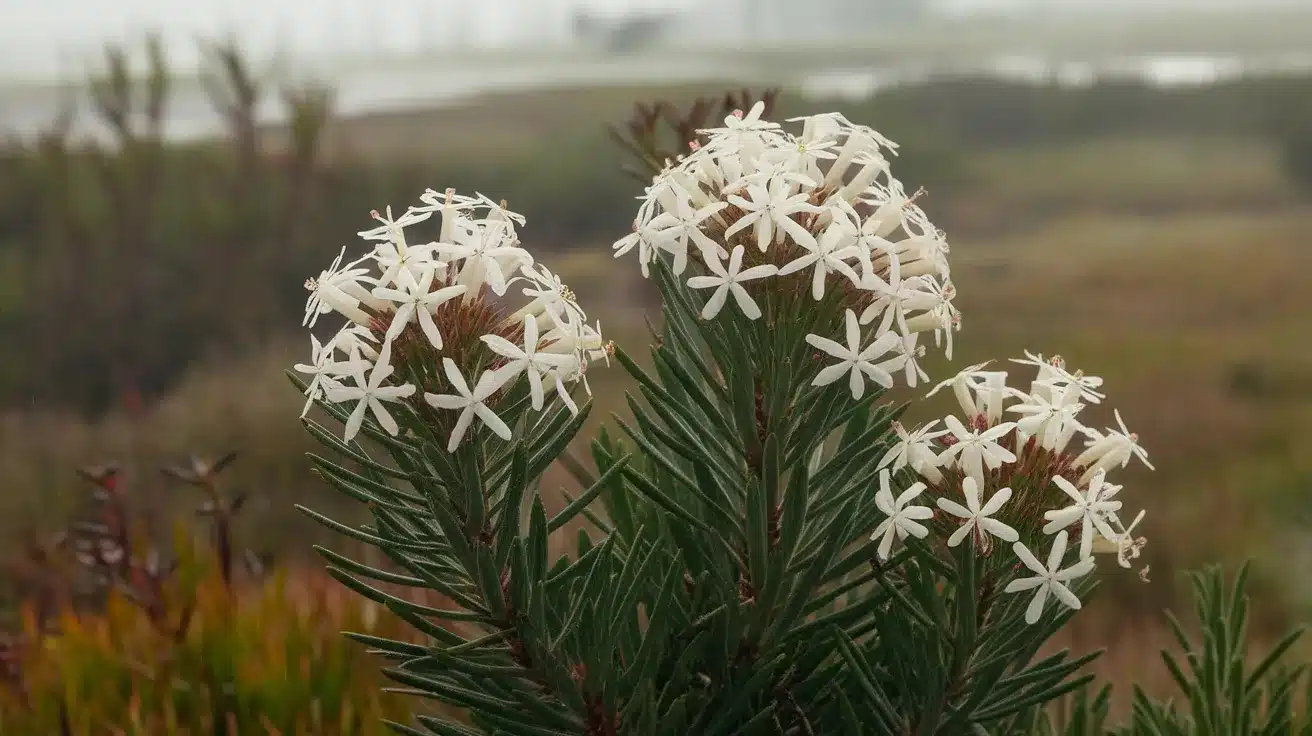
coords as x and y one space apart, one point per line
41 37
56 38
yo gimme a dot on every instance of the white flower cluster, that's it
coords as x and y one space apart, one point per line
418 307
757 202
1060 491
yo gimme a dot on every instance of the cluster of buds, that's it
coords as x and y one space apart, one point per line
758 208
1006 470
433 328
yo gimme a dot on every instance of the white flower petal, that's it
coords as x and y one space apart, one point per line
458 432
716 302
1035 609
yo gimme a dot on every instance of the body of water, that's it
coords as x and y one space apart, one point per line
402 86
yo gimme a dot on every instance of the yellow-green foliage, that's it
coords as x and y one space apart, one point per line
266 658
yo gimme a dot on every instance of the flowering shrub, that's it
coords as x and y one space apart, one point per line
453 348
777 553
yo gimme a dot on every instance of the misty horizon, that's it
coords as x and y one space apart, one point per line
59 38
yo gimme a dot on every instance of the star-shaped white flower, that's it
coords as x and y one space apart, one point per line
526 360
669 186
853 359
943 318
568 334
470 403
867 136
915 449
873 165
803 155
451 205
976 450
923 253
751 121
820 126
703 168
1052 372
400 268
890 298
324 371
549 295
328 292
1124 544
978 518
370 394
391 230
743 136
1048 418
771 209
1048 579
674 229
891 204
877 251
831 252
497 212
352 338
901 520
1106 451
489 252
730 282
1090 509
417 304
643 237
966 387
392 254
908 357
571 373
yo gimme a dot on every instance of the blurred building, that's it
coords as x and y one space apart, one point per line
623 34
829 17
818 20
786 22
